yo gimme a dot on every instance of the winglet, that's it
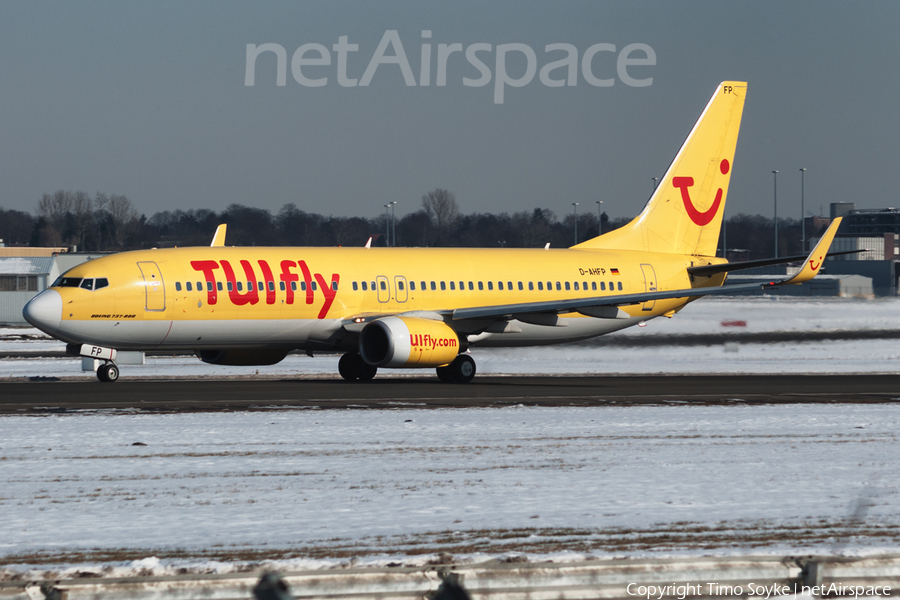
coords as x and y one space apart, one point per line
816 257
369 243
219 238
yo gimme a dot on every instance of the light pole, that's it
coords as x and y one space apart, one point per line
575 212
387 225
393 226
775 194
802 213
599 217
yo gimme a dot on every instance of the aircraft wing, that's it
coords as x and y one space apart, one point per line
587 304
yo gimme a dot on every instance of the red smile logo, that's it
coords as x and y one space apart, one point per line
700 218
813 266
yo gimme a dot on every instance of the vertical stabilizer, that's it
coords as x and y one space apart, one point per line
684 215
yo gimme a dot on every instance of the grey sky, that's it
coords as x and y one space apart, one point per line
148 100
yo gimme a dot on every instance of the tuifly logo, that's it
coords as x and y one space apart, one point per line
698 217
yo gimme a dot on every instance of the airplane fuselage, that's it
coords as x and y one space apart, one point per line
298 298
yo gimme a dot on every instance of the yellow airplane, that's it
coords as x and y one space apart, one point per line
416 307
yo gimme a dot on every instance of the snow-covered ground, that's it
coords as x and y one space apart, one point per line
322 483
327 486
720 316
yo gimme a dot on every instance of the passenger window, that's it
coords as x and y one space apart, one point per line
567 286
620 286
443 286
200 286
433 286
102 282
603 286
480 286
271 286
355 286
462 285
334 286
87 284
230 287
424 287
372 286
558 288
594 286
541 286
490 285
471 287
383 285
400 285
500 285
294 286
584 285
365 287
530 286
576 286
187 285
452 286
509 285
412 286
240 286
315 287
612 285
520 286
282 286
177 286
549 285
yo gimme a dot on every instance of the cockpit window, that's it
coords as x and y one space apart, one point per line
87 284
101 282
69 282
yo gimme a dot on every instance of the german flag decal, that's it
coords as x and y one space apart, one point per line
614 271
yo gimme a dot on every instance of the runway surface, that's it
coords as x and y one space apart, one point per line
44 397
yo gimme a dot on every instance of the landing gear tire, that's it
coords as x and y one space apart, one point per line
445 375
348 366
462 369
353 367
366 371
108 373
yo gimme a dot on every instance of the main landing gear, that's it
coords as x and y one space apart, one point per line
108 372
353 367
461 370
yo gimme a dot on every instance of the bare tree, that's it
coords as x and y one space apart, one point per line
440 206
121 214
55 208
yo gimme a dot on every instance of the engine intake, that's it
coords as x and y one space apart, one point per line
399 342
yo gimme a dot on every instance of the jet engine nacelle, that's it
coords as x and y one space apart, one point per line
408 342
242 357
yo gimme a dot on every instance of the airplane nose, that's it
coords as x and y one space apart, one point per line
44 311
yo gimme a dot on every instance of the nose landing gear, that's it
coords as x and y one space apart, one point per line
108 372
